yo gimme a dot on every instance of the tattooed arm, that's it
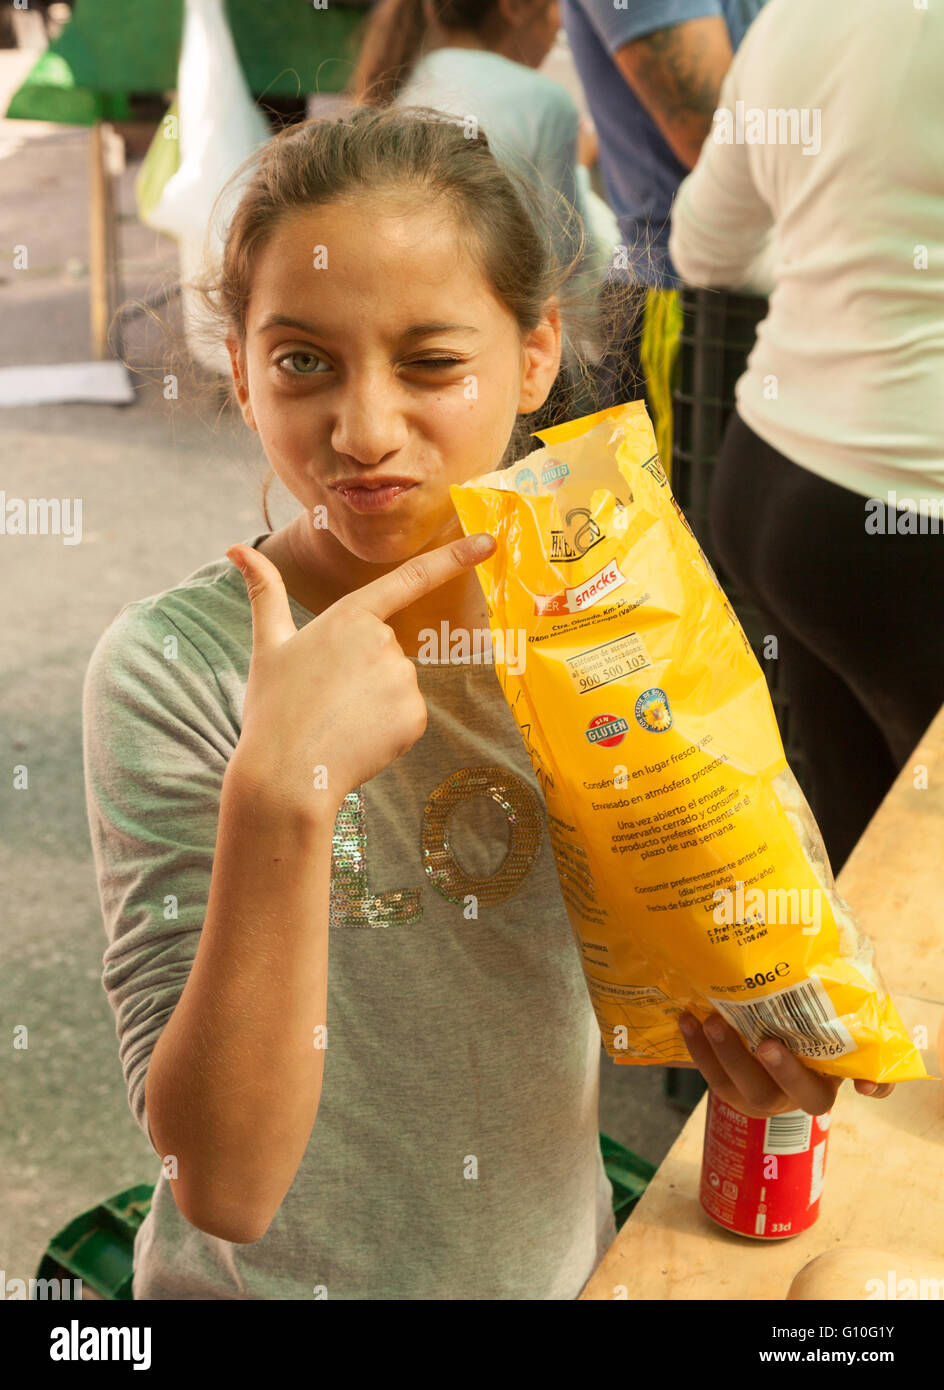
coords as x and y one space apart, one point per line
676 73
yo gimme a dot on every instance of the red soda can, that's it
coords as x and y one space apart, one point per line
763 1178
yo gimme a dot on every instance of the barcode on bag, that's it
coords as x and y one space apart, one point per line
801 1016
788 1134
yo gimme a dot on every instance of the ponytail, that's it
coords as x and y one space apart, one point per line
393 37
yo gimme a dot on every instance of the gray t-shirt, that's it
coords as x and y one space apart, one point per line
455 1153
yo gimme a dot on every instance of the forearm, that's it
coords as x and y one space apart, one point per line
234 1081
676 73
719 240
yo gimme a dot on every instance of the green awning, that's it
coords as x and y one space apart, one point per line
110 49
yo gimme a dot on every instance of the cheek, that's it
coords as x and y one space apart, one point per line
480 405
280 420
470 434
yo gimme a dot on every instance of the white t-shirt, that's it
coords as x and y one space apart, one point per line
842 223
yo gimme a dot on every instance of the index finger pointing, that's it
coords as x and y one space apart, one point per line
420 575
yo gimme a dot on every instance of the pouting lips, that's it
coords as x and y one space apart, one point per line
364 499
372 484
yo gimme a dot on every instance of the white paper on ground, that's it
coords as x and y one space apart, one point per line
107 382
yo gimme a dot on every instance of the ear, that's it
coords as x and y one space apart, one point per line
541 356
240 380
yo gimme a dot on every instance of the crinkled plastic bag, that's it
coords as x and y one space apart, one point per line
693 872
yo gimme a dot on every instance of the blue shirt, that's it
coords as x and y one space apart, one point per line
640 172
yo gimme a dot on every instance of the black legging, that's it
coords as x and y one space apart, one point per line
859 620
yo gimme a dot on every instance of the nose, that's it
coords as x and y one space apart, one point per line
369 424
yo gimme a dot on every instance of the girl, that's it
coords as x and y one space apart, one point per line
411 1111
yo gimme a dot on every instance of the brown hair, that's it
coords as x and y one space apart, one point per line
393 36
503 217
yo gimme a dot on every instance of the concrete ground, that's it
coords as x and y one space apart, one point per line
163 491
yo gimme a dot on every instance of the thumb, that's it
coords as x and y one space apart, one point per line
272 621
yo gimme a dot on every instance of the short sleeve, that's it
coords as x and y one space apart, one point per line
156 741
617 27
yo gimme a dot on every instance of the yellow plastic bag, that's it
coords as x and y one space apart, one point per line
693 872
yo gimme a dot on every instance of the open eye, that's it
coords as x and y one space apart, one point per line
305 357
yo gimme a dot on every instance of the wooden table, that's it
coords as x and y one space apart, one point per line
885 1163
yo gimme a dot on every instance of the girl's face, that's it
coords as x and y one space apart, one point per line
375 349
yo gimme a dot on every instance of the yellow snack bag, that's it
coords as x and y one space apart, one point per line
693 872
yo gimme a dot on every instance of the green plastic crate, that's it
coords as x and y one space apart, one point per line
629 1174
98 1246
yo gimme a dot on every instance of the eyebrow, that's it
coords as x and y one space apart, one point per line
418 330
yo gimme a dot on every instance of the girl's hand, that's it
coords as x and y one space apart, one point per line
330 705
759 1087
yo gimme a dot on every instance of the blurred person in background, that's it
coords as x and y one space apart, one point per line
480 58
823 186
652 71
